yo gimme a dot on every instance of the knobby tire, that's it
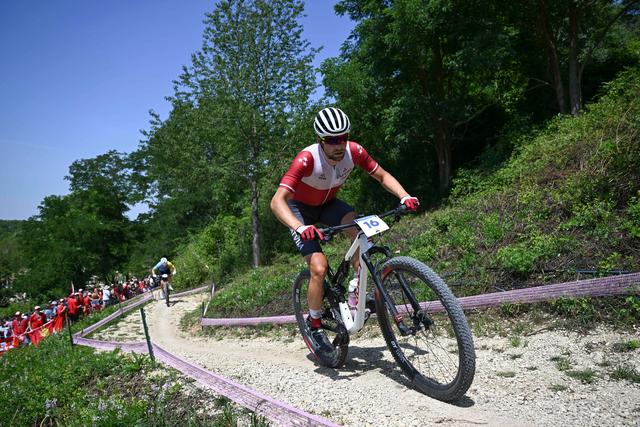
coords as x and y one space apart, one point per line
440 359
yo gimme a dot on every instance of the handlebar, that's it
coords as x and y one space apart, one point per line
330 231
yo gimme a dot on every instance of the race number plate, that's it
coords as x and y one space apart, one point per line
372 225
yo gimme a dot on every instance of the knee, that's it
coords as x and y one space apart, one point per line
318 267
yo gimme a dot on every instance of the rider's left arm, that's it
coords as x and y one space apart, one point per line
389 182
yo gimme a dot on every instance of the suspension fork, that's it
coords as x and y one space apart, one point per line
386 298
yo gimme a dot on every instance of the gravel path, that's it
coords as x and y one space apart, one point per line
518 382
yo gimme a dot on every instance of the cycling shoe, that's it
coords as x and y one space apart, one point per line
320 340
322 344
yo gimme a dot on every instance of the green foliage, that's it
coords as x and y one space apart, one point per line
586 376
221 249
629 311
261 291
522 257
74 237
580 309
562 363
632 223
76 386
513 310
558 387
626 372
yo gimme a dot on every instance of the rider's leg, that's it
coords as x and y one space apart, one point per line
352 233
318 266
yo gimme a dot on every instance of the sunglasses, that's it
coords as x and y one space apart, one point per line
335 140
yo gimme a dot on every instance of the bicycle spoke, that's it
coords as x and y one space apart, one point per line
438 352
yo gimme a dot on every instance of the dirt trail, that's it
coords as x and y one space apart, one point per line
513 386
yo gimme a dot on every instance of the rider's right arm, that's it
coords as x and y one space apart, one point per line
281 209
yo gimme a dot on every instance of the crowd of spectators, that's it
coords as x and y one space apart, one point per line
18 330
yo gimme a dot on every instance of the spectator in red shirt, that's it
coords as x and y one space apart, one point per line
86 302
19 327
72 307
61 315
37 319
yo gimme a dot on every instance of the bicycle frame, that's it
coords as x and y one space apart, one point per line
353 323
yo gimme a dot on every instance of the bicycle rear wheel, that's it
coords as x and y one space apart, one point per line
437 353
336 333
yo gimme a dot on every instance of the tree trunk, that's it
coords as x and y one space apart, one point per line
575 93
255 223
442 142
442 145
552 54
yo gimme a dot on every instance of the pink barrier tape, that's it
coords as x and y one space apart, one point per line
605 286
248 321
128 347
275 411
114 315
278 413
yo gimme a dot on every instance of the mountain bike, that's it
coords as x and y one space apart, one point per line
166 287
421 320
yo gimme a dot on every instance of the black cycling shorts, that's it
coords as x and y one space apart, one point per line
330 214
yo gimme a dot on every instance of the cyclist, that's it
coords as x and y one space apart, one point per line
307 194
164 266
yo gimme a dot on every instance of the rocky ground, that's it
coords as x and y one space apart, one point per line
540 377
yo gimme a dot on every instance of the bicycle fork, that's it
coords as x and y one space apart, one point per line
419 319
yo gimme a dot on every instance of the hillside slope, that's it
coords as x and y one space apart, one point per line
566 205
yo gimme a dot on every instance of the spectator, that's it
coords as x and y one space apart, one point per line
5 328
49 312
37 319
86 303
19 327
106 297
73 308
95 300
61 316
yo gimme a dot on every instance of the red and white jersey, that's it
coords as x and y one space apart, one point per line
314 181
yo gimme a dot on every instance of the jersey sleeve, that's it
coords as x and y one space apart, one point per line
301 166
362 158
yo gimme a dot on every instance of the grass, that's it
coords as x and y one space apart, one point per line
516 341
628 346
506 374
56 384
626 372
586 376
562 363
558 387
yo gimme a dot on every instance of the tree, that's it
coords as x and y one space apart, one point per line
572 33
256 68
81 234
431 69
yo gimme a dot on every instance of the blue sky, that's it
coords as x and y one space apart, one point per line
78 78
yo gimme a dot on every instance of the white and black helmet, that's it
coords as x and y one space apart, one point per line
331 122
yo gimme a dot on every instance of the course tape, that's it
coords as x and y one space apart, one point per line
605 286
278 413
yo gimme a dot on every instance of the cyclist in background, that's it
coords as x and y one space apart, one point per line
164 266
307 194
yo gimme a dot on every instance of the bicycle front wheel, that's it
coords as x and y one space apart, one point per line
433 344
166 293
336 333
